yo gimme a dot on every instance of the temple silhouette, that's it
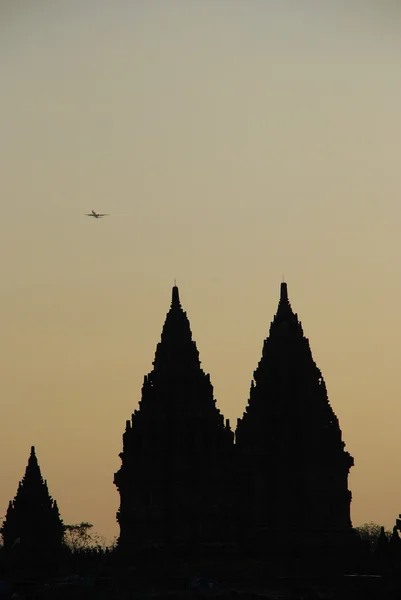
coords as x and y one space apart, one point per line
281 483
267 504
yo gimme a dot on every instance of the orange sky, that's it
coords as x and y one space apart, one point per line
233 142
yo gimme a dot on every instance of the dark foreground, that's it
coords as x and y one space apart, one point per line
105 576
346 587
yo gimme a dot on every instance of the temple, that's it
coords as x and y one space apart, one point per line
282 487
32 522
294 468
175 479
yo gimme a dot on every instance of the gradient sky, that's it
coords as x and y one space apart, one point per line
235 142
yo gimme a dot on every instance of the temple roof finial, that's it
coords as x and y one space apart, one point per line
33 458
284 304
175 300
284 310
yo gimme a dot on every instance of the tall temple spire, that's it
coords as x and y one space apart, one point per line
289 436
172 481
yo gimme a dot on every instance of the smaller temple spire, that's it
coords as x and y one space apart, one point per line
33 515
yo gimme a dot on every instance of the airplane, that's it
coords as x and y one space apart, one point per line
96 215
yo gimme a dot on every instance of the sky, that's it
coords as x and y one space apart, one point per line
234 142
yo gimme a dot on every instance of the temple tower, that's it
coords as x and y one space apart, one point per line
32 522
294 465
174 482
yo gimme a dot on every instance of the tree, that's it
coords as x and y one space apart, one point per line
79 537
370 532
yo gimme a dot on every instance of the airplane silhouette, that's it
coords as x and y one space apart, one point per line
96 215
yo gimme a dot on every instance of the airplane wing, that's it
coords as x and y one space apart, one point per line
97 215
